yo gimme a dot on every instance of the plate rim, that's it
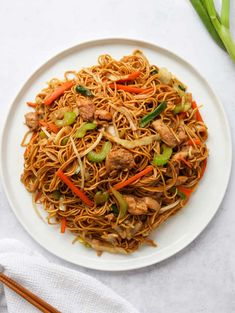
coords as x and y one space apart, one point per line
115 40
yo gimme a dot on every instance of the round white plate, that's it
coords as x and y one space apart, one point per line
179 230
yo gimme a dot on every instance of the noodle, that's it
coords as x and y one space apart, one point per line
76 133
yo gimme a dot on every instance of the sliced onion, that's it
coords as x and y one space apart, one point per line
170 206
62 207
46 132
112 131
95 144
127 114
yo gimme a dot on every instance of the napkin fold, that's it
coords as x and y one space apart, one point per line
68 290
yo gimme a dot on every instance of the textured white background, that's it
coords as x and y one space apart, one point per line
201 278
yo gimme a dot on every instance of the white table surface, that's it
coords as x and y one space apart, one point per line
201 278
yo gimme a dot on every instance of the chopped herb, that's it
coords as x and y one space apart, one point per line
83 90
115 210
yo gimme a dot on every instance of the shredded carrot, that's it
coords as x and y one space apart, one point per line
131 89
50 126
133 178
32 104
185 162
58 92
74 189
129 77
197 113
38 196
194 142
186 191
63 225
203 168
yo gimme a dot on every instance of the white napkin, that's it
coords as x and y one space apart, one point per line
68 290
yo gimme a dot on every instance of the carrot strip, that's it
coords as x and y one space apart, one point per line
131 89
63 225
203 168
185 162
133 178
32 104
38 196
74 189
186 191
128 77
194 142
50 126
197 113
58 92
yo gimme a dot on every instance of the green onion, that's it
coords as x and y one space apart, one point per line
121 203
83 90
154 71
163 158
81 131
182 88
69 119
56 194
101 197
115 210
100 156
151 116
218 27
181 194
64 141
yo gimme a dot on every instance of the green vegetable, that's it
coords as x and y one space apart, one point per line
115 210
182 108
100 156
182 88
56 194
69 119
163 158
42 134
154 71
81 131
121 203
64 141
101 197
152 115
83 90
219 28
181 194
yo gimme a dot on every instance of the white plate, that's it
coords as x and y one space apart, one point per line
179 230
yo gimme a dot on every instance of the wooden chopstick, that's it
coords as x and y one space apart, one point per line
28 295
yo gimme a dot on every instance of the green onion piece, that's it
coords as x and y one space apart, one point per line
56 194
182 107
154 71
163 158
83 90
69 119
151 116
100 156
115 210
121 203
81 131
101 197
181 194
205 18
64 141
42 135
182 88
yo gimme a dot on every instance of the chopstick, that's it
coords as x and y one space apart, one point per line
27 295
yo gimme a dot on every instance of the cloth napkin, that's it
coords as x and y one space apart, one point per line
68 290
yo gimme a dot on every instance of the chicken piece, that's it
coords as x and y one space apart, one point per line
32 120
185 152
119 159
103 246
111 238
139 206
131 231
59 113
179 181
86 109
103 115
167 135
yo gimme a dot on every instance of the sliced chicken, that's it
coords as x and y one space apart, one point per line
139 206
103 115
32 120
167 135
86 109
119 159
186 151
103 246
